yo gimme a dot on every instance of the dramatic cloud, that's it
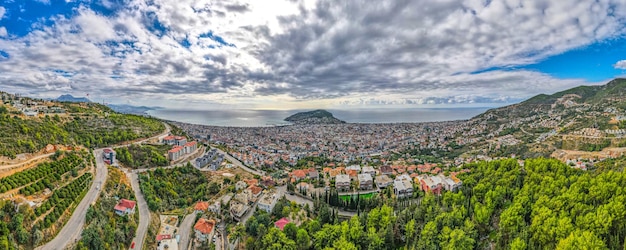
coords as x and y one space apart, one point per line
344 52
620 65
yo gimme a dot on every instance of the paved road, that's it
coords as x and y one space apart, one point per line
239 164
73 228
184 230
144 212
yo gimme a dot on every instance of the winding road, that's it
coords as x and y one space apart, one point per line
74 227
185 230
144 212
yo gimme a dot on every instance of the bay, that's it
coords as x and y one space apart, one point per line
262 118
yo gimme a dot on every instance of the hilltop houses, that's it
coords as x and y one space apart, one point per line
125 207
342 182
204 229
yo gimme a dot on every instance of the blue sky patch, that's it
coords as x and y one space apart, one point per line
216 38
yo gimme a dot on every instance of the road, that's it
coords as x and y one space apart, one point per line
185 230
239 164
74 227
144 212
3 167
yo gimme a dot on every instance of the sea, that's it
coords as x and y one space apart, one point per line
266 118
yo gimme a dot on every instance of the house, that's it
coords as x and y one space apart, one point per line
240 185
342 182
267 202
450 183
124 207
255 191
267 181
304 187
356 168
353 174
201 206
168 244
215 207
162 237
251 182
298 174
431 184
365 182
313 173
402 188
369 170
383 181
387 170
281 223
237 210
204 229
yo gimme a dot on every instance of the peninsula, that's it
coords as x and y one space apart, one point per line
319 116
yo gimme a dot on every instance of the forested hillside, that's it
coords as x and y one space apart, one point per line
541 204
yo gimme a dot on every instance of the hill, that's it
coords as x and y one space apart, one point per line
314 117
130 109
70 98
584 118
27 125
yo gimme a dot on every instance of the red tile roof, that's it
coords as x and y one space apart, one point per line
190 144
167 138
175 149
281 223
255 190
204 226
300 174
124 204
161 237
201 206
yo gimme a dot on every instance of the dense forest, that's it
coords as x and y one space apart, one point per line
143 156
541 204
103 228
96 126
166 189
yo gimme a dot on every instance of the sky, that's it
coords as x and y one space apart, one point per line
294 54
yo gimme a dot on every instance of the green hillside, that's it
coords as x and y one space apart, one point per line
90 125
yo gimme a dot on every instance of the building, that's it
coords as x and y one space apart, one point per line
402 186
176 153
201 206
299 175
190 147
369 170
125 207
237 210
240 185
255 192
365 182
204 229
108 155
430 184
175 140
387 170
450 183
267 202
356 168
314 174
280 224
215 207
168 244
383 181
342 182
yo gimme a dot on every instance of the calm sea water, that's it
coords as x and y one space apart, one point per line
260 118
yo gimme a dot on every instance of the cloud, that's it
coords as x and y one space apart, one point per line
3 32
399 51
2 12
620 64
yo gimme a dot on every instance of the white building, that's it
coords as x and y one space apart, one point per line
267 202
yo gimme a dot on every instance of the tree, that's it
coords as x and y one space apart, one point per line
518 244
455 239
581 240
302 239
291 231
214 188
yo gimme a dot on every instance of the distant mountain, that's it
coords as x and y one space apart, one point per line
70 98
130 109
314 117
